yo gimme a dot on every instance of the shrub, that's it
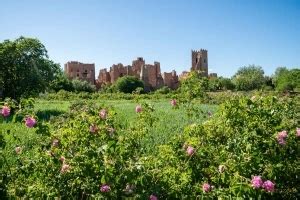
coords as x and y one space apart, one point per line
249 78
128 84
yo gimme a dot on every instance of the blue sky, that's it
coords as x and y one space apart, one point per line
235 32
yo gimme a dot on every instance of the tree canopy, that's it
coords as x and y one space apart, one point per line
128 84
25 68
249 78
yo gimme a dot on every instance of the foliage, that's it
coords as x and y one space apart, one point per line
193 86
82 86
128 84
220 83
287 80
249 78
25 68
62 83
92 153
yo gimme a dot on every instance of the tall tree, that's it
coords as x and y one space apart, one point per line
249 78
25 68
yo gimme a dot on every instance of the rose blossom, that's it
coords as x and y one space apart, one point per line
298 132
93 128
138 109
65 168
103 114
281 137
173 102
256 182
269 186
190 150
5 111
206 187
105 188
18 150
62 159
153 197
30 122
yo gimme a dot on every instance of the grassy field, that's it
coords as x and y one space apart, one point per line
169 121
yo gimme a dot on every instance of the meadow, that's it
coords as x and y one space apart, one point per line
151 148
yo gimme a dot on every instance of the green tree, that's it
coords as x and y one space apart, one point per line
62 83
25 68
128 84
286 80
249 78
82 86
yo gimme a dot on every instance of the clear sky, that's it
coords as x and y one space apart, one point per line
235 32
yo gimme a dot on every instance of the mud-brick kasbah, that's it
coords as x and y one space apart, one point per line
150 74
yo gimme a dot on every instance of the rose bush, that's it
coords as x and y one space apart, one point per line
249 148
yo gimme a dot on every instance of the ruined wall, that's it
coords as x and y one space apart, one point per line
81 71
137 66
200 62
171 79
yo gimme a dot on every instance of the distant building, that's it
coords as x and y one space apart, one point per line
148 73
82 71
200 62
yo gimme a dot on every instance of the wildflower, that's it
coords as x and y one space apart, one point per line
281 137
173 102
221 168
105 188
62 159
269 186
298 132
65 168
153 197
206 187
190 150
55 142
256 182
93 128
5 111
138 109
30 122
103 114
253 98
18 150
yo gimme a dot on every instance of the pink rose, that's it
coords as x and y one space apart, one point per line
138 109
153 197
65 168
256 182
190 150
206 187
62 159
5 111
103 114
298 132
30 122
105 188
173 102
281 137
269 186
93 128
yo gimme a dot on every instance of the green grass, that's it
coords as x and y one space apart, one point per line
168 122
